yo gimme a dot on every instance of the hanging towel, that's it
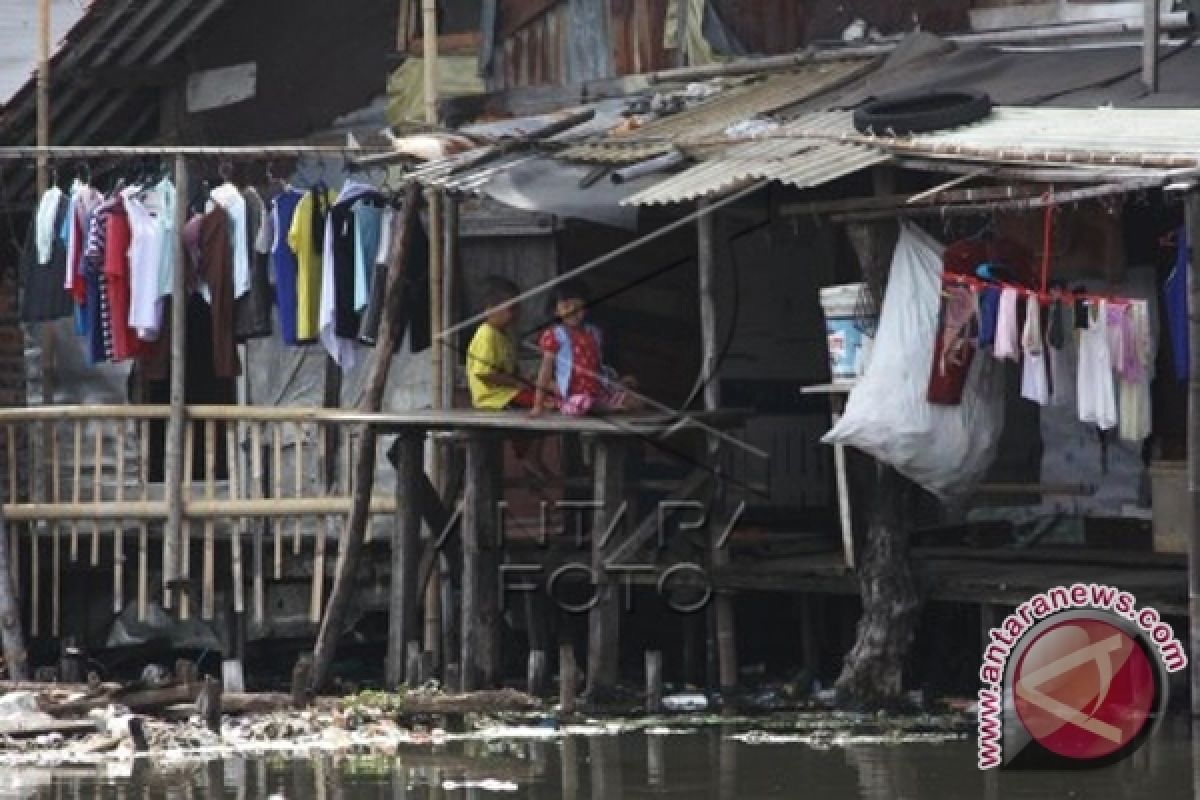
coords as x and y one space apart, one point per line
1034 383
1094 387
1134 376
48 223
1008 337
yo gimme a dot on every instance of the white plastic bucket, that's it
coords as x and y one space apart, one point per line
849 344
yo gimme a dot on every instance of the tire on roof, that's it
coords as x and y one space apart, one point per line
918 112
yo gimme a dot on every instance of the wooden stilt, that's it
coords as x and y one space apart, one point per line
376 382
55 543
604 618
412 663
208 596
323 531
235 532
256 482
656 760
119 528
719 556
654 681
535 675
298 483
175 466
143 528
402 618
185 546
14 531
12 640
99 493
277 476
567 678
76 483
570 768
480 593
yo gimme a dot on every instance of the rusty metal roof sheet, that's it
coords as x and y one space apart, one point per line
790 155
766 95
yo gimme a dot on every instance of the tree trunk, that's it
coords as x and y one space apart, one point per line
11 636
873 672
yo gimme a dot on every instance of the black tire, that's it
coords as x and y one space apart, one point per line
918 112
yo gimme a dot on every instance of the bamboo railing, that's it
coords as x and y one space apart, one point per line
250 476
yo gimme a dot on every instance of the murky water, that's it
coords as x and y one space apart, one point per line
703 763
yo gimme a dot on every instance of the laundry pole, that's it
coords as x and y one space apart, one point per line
43 94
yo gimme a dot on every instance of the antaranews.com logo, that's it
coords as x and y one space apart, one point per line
1074 678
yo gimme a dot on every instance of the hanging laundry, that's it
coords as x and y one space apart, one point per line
1061 362
43 297
1008 335
1056 324
989 308
1034 382
84 202
284 264
1134 373
306 238
252 315
1095 392
117 281
216 267
953 348
147 259
48 223
339 321
1175 299
368 224
166 274
414 315
230 198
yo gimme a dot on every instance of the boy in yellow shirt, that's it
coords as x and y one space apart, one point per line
492 374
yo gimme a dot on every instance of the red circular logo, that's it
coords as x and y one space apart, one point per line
1084 688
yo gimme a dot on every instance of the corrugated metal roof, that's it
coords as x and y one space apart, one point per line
18 38
789 157
1112 137
744 101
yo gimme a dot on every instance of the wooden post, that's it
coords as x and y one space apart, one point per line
570 768
412 663
11 636
208 704
566 678
654 681
453 677
535 675
719 555
43 94
480 591
376 381
1192 210
173 451
1150 30
402 615
656 759
608 465
301 681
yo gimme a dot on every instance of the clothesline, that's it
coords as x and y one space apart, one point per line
1024 292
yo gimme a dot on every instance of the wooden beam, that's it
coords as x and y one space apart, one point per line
402 608
604 618
174 468
480 583
378 368
719 556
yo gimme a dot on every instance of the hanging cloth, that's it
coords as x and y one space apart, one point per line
1095 392
42 294
1034 383
1008 336
1134 375
1175 297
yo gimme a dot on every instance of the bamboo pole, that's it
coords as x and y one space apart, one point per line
277 475
208 599
12 638
256 472
185 549
235 533
318 579
1151 22
119 528
98 491
173 451
298 463
143 528
723 604
378 367
76 487
198 509
43 94
55 544
14 497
